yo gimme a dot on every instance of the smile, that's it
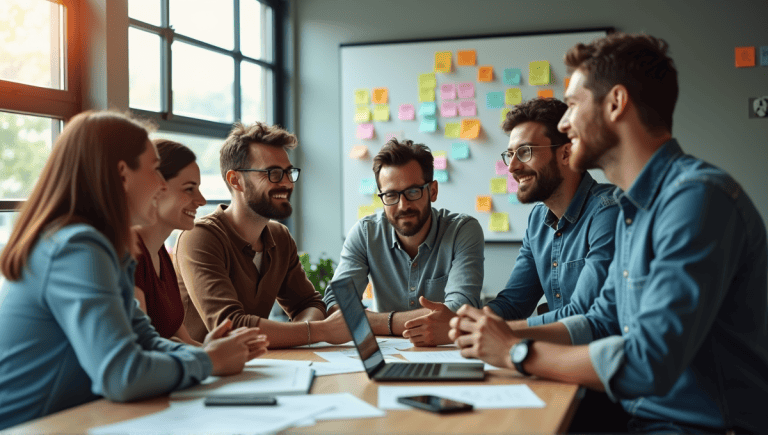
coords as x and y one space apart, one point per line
189 213
525 179
280 196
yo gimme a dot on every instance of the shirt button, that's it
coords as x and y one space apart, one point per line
628 221
554 264
626 274
413 288
415 264
558 234
557 295
626 328
411 303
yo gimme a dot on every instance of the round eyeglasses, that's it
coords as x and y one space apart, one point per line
411 194
275 175
523 153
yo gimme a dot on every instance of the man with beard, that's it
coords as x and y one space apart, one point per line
236 261
679 333
412 251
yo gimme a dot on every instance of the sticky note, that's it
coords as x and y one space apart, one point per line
499 185
428 125
538 73
483 203
362 114
513 96
448 91
439 153
443 61
367 186
467 108
466 90
358 152
499 222
440 162
467 57
764 55
511 184
361 96
512 76
399 135
452 130
459 151
406 112
470 129
426 94
485 74
567 82
428 109
494 100
501 168
745 57
440 176
504 112
377 202
513 199
380 96
365 131
365 210
546 93
381 112
427 80
449 109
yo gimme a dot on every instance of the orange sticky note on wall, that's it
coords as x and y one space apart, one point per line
467 57
380 95
745 56
485 74
443 61
546 93
567 82
470 128
483 203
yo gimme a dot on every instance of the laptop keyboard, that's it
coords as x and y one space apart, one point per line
418 370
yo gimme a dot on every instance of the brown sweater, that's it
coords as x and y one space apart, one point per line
218 279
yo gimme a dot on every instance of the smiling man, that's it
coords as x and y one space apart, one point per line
414 254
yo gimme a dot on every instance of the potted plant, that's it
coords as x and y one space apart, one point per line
319 273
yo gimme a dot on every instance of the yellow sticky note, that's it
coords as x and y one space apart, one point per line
485 74
426 95
439 153
365 210
377 202
499 185
467 57
427 80
546 93
538 73
452 129
362 114
470 128
361 96
443 61
513 96
499 222
380 95
358 152
504 112
483 203
381 112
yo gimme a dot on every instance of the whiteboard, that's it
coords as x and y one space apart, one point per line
396 66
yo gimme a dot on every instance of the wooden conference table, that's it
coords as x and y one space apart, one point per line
561 400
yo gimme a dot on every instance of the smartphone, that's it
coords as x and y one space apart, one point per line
437 404
240 400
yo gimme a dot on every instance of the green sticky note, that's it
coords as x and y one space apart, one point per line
426 94
499 185
365 210
427 80
452 129
513 96
439 153
499 222
362 96
538 73
381 112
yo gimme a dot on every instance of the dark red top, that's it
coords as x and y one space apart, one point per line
161 293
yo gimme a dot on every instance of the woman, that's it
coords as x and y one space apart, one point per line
156 287
71 328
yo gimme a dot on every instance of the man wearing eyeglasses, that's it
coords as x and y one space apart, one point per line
413 253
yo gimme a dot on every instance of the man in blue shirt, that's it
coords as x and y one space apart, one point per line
679 334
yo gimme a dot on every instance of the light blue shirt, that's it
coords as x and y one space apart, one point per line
680 330
447 268
72 331
566 260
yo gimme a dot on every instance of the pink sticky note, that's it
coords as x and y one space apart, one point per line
406 112
365 131
467 90
448 91
467 108
511 184
441 162
501 168
448 109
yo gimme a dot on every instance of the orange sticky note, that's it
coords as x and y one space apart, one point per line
359 152
380 95
745 56
567 82
443 61
467 57
546 93
485 74
483 203
470 128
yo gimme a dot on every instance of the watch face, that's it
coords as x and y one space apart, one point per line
760 106
519 352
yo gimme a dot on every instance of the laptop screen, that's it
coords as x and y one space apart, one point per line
354 315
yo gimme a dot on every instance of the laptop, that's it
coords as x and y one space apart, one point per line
370 354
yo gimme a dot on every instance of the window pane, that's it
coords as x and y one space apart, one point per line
206 20
203 83
145 10
144 70
31 51
206 149
7 221
256 30
257 88
26 145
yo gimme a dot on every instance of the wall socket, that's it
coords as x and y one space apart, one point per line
758 107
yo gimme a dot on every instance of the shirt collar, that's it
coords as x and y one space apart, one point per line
241 244
647 185
576 206
429 241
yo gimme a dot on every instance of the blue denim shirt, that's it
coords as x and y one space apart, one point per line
566 260
447 268
680 330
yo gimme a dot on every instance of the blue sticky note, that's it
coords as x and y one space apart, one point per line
494 100
513 199
428 109
428 125
441 176
459 151
512 76
764 55
368 186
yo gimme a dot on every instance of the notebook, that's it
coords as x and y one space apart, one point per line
263 379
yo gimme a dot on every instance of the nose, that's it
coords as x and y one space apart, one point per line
286 181
564 123
514 164
200 200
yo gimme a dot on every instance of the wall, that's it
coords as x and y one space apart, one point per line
710 119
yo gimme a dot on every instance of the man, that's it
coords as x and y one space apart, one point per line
412 249
236 261
679 331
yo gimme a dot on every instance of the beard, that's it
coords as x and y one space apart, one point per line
408 230
589 152
547 181
262 204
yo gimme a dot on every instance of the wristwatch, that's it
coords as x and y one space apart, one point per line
519 353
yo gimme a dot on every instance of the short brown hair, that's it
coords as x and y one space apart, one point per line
395 153
545 111
234 152
638 62
173 157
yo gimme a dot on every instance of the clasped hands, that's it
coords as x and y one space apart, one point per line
482 334
229 349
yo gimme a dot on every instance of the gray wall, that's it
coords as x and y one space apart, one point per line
710 120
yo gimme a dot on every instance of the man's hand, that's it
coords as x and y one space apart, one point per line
229 350
484 335
333 329
431 329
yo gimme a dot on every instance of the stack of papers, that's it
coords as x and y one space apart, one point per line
268 380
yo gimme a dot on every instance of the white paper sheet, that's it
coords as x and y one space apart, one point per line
266 362
442 356
336 368
266 380
345 406
481 396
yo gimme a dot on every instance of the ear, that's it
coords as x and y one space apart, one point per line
616 102
122 169
433 190
565 155
234 181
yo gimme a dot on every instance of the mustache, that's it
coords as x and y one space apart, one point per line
283 190
520 174
406 214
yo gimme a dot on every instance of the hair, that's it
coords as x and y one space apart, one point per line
395 153
80 182
545 111
173 157
235 151
638 62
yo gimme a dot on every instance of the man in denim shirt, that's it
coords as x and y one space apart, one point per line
679 333
415 255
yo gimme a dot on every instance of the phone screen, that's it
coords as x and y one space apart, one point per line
240 400
435 403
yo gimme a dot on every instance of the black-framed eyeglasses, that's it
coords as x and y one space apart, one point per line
523 152
275 175
411 194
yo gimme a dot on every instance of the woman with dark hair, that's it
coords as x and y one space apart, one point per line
71 328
